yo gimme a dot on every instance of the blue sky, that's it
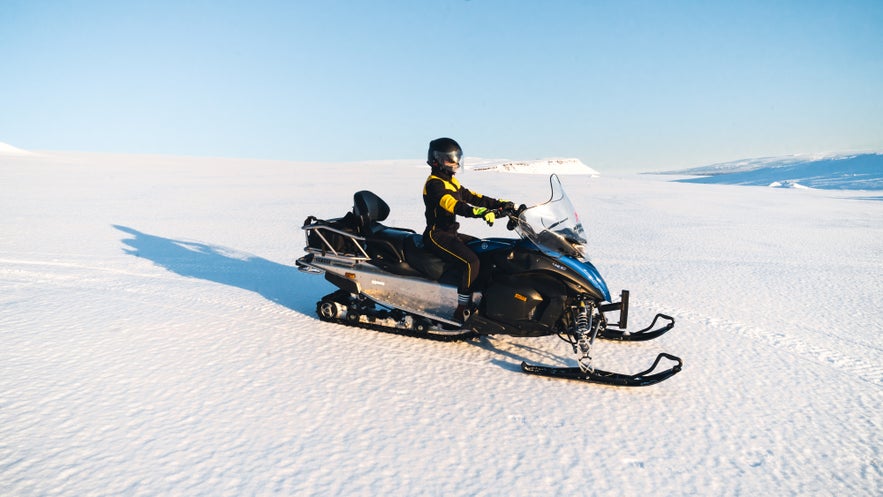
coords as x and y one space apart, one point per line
622 85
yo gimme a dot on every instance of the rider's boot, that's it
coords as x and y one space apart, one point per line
464 307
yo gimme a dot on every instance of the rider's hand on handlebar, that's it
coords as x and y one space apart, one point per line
513 215
488 215
508 207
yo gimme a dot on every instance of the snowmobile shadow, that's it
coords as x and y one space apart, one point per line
517 353
285 285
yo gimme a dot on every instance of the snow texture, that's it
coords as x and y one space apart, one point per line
156 339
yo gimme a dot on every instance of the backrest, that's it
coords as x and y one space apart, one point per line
369 209
369 206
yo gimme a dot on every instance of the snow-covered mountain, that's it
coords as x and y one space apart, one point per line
536 166
10 151
823 171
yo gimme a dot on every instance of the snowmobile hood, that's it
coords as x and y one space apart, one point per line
589 272
584 269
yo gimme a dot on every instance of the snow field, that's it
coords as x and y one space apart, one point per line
155 338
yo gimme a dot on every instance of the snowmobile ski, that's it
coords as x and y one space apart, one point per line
641 379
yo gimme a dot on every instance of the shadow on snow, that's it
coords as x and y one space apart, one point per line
285 285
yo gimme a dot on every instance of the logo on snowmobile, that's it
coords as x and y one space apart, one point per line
559 266
377 282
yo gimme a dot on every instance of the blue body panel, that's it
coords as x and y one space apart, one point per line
584 269
491 244
588 271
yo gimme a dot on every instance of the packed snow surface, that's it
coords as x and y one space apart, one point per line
156 339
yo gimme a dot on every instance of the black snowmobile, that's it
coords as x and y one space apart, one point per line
537 285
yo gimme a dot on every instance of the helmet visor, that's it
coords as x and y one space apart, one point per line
450 160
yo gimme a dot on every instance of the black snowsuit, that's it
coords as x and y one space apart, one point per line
444 199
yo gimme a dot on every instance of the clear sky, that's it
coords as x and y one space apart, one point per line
622 85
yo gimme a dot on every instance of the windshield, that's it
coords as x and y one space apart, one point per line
554 225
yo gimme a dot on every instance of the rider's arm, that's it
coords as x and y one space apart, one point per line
445 198
480 200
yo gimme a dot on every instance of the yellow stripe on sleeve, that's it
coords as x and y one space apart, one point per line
448 202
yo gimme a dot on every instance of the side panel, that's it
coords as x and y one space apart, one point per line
526 304
414 295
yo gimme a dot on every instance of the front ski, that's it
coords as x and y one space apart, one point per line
641 379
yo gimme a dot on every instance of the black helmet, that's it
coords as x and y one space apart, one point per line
445 154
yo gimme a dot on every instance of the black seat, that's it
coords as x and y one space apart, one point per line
398 250
388 244
429 264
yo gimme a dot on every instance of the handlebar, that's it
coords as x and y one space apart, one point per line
512 214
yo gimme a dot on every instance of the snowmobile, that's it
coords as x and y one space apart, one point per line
539 284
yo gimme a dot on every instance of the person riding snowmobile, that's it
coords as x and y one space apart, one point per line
445 198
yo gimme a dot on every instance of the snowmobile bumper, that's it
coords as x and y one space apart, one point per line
622 306
617 330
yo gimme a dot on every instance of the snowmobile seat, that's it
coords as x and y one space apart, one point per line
430 265
397 250
386 248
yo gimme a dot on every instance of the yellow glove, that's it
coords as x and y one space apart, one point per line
482 212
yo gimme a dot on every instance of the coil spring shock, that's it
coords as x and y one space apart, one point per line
585 336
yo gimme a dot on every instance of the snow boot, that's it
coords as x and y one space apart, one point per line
461 314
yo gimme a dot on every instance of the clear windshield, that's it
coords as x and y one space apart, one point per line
554 225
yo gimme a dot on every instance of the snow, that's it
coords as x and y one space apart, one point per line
156 339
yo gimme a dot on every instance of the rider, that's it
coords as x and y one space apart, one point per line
445 199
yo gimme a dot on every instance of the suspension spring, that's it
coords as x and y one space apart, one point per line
585 337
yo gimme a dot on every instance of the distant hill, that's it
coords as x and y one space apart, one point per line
537 166
6 149
831 172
